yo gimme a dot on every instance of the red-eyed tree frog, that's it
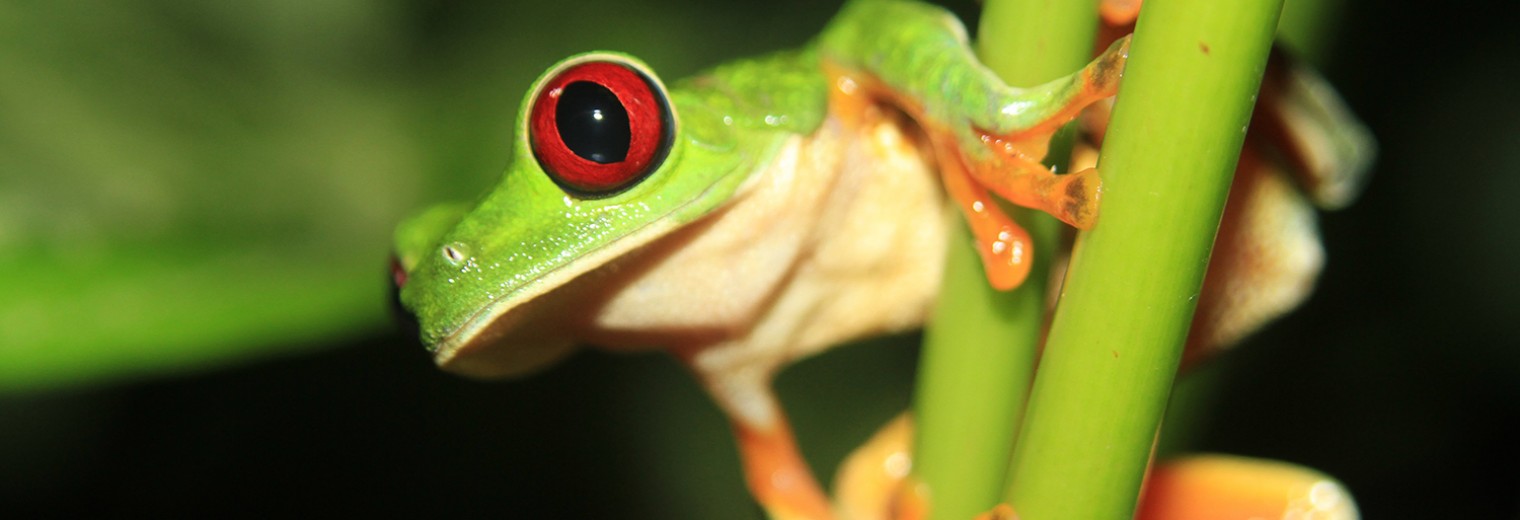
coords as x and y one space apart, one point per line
757 213
752 215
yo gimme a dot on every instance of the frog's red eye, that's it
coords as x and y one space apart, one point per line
599 127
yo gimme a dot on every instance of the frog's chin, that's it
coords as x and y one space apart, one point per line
518 335
499 363
505 348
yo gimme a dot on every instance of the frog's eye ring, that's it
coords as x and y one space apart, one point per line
599 127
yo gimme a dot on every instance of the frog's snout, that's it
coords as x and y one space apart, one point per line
405 320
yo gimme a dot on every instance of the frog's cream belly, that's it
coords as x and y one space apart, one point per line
840 237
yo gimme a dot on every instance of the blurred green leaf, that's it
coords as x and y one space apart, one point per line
185 183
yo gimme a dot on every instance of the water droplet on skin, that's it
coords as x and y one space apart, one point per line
1325 496
898 465
847 85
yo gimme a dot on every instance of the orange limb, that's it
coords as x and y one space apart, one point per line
1013 171
777 476
1009 166
1216 486
1072 198
1003 245
1119 12
873 482
775 472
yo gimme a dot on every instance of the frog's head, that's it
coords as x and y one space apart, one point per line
606 161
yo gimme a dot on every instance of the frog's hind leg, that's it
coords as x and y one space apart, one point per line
1300 118
778 477
776 473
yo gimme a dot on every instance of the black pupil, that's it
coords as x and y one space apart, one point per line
593 123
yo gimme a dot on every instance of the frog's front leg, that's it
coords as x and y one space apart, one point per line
777 476
988 136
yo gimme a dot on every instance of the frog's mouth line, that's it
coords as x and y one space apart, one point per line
463 339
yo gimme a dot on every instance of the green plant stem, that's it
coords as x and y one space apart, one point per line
973 375
1131 288
1028 42
980 349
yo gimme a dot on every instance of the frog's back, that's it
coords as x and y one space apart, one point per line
783 91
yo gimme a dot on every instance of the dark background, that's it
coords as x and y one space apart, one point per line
1401 376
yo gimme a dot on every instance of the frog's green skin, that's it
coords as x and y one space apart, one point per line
776 226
